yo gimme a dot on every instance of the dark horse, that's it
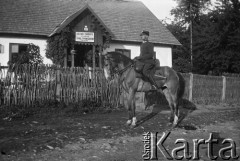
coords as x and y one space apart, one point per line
116 63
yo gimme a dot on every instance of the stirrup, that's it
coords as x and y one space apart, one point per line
153 87
160 76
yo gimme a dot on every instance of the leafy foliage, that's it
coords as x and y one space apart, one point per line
31 56
188 10
57 44
181 54
216 36
217 39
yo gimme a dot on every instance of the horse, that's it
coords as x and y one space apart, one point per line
116 63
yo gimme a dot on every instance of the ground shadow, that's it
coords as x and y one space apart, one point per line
154 112
185 108
158 102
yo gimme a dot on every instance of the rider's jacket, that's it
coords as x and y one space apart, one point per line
147 53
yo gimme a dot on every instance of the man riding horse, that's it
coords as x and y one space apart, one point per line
147 58
132 82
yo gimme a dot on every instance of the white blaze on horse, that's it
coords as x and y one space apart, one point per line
116 63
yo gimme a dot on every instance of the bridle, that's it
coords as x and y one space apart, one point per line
124 69
120 72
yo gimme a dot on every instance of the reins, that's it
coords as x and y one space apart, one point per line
124 69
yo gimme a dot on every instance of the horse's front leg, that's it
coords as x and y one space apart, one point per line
130 114
170 102
131 109
134 119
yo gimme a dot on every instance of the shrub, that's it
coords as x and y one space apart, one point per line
31 56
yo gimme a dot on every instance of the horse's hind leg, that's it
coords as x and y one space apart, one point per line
176 110
170 102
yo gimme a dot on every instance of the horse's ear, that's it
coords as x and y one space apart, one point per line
102 60
105 56
109 57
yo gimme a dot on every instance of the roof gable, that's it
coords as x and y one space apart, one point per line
127 19
70 18
123 19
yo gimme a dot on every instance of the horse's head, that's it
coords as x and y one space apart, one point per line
113 62
109 66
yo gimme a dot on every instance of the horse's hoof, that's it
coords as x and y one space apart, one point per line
132 126
169 124
146 108
128 123
174 126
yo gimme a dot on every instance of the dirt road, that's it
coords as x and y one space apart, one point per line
104 137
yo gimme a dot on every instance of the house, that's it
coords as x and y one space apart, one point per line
115 24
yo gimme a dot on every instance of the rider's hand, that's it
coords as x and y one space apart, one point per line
136 58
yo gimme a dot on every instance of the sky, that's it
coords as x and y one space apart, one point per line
160 8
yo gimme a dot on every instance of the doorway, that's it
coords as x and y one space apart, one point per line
80 57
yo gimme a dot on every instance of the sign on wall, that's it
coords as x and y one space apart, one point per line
85 36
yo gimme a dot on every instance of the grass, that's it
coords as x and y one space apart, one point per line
16 112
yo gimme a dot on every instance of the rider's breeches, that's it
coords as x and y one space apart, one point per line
147 70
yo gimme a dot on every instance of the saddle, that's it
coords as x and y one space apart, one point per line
156 71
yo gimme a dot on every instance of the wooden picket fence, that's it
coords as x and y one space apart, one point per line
205 89
28 84
202 89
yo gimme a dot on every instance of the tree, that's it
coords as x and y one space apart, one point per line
216 35
218 38
181 56
189 10
185 14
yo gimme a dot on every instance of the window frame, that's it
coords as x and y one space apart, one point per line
10 49
123 50
1 49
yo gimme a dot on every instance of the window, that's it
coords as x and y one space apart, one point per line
15 49
1 49
125 52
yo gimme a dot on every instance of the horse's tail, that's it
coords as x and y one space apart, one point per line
181 85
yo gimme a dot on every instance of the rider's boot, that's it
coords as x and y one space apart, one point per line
160 77
153 83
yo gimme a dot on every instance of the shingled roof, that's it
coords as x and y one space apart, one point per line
125 19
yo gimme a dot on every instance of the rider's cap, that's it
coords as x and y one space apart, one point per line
144 32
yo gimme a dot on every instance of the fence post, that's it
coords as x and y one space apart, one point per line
73 53
224 88
190 87
100 57
65 57
58 88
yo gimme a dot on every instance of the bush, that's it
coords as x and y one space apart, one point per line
31 56
57 44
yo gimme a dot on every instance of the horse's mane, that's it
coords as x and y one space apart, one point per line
118 57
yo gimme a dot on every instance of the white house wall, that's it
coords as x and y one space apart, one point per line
164 54
5 41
